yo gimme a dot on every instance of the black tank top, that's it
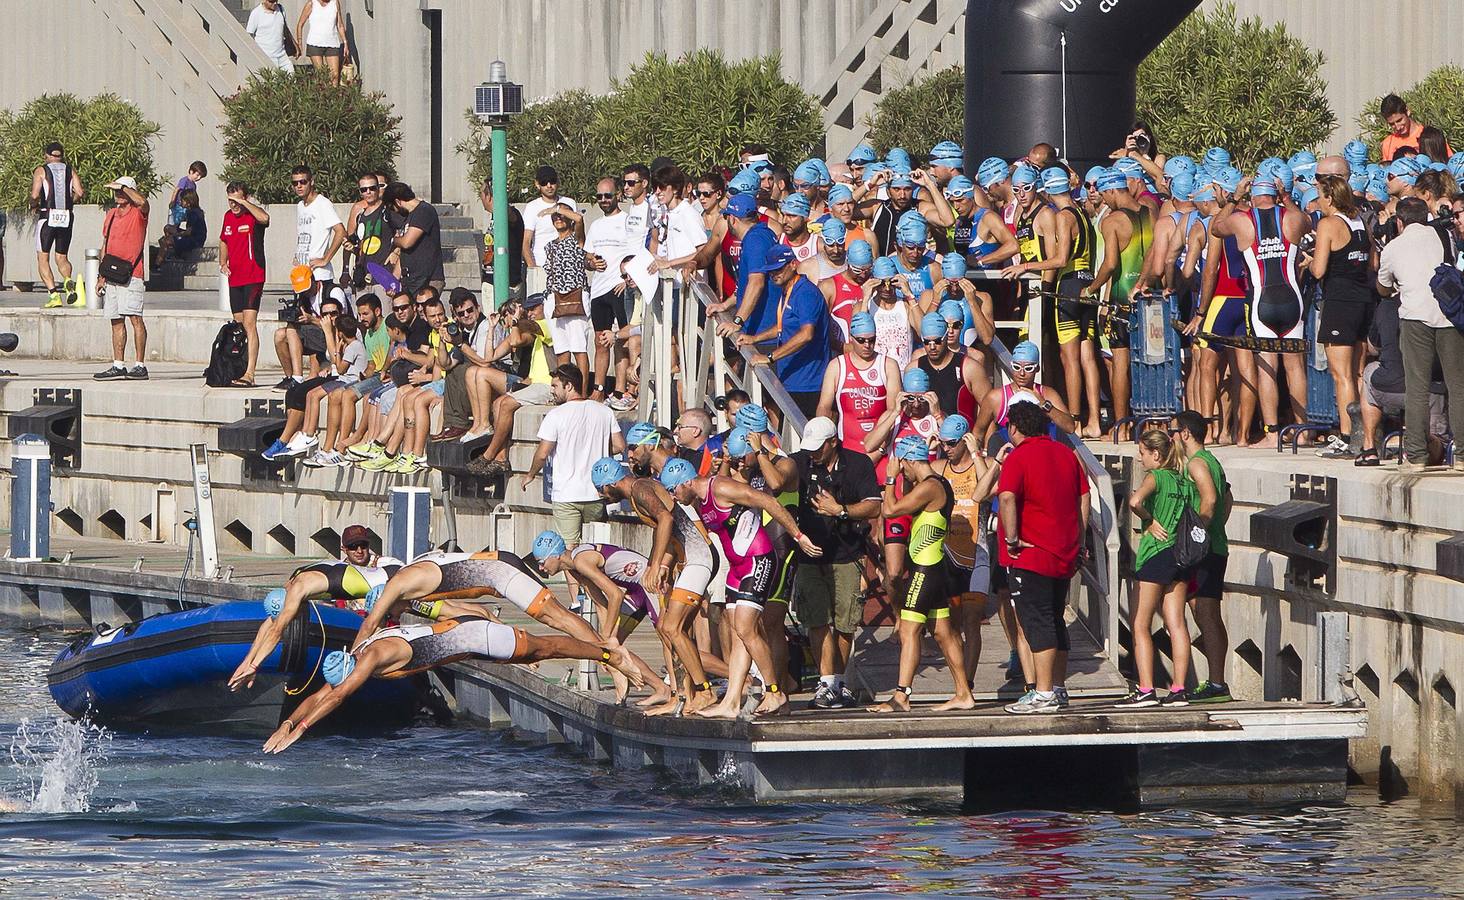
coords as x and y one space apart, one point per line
374 232
945 383
1347 278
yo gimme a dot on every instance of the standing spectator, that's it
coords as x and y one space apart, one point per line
55 188
267 27
319 231
637 180
515 274
838 495
801 329
1427 337
1209 579
369 235
756 303
124 235
606 250
1043 506
564 278
325 41
538 229
241 258
1405 131
685 233
575 433
418 245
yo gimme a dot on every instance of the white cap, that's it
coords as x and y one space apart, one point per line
126 181
817 431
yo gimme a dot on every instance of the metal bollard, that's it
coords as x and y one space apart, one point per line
410 522
30 498
89 277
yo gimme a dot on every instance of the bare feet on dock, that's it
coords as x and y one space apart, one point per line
772 704
665 709
966 702
898 703
699 701
722 710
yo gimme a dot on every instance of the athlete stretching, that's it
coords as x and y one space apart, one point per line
410 649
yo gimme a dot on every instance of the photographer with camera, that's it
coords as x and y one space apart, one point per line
301 334
470 333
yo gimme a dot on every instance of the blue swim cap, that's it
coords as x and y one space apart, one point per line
833 232
1308 196
911 231
737 444
274 603
752 417
874 169
1024 174
1026 352
952 311
806 172
1377 189
960 186
746 181
861 325
1182 187
885 267
373 595
1422 161
1264 185
548 544
901 179
677 472
1356 154
1303 163
863 154
1357 181
1456 160
1205 195
840 193
992 171
1229 179
1129 167
1376 171
1179 165
1217 158
915 381
954 428
1055 181
607 470
1094 174
952 266
899 157
913 447
337 667
860 253
795 204
824 177
1112 180
932 326
946 150
1402 167
643 434
1282 172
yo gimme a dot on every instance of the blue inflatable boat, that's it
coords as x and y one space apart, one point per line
169 673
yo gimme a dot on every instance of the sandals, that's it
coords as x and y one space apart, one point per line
241 383
1367 458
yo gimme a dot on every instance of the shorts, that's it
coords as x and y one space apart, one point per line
973 580
367 386
50 239
1344 322
897 530
245 296
828 594
120 300
571 334
1208 578
533 395
536 281
436 387
312 340
926 597
313 50
751 579
1226 317
1075 321
570 517
1117 330
337 384
1040 601
1392 403
1161 568
296 393
385 399
607 312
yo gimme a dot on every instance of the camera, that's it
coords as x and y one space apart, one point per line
454 332
290 307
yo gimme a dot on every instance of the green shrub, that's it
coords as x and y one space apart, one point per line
700 110
1437 100
279 120
548 132
921 114
105 137
1216 81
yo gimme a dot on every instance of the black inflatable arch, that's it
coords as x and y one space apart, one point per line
1014 66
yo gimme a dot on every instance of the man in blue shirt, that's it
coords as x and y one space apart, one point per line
801 327
757 298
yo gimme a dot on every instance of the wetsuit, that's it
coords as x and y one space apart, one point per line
625 568
691 550
1130 268
862 398
470 576
1347 296
347 581
752 570
448 641
1270 260
927 596
1077 321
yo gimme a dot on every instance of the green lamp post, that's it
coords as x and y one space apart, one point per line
494 102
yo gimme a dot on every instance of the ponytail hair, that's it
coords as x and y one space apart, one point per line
1171 455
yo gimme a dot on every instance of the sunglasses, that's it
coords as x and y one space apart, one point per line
331 312
299 181
632 182
361 546
866 341
547 183
365 188
947 443
465 310
606 196
1024 367
403 308
706 195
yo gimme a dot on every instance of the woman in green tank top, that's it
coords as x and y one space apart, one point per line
1159 501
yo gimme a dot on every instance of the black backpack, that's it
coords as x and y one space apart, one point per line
230 356
1191 537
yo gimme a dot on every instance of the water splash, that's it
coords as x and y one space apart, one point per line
57 763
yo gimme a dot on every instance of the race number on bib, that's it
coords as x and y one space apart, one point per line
59 218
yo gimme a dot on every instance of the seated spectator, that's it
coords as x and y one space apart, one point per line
471 333
1383 395
540 361
302 399
408 353
187 233
303 336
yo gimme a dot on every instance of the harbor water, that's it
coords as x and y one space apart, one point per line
463 811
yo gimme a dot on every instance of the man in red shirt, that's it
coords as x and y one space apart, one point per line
241 258
1043 496
124 235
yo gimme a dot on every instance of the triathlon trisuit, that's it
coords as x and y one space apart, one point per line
731 253
449 641
784 547
892 334
1010 394
1347 279
980 248
1130 268
966 540
847 296
752 569
691 550
804 251
1227 314
1270 261
862 398
948 385
919 277
53 230
471 576
897 528
927 596
373 234
348 582
626 568
1077 321
1029 242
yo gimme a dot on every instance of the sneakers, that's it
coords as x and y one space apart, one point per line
322 458
825 697
1063 700
1336 448
1014 667
274 450
53 301
73 293
364 450
301 444
137 373
1210 692
111 373
621 403
404 464
847 698
1033 703
284 384
1138 699
470 436
1176 698
377 463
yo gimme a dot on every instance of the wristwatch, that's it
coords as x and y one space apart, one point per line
844 512
1047 406
737 320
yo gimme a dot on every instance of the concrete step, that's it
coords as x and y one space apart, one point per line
454 223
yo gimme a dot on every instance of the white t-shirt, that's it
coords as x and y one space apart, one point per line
685 232
312 234
541 226
355 358
580 430
637 223
268 29
606 238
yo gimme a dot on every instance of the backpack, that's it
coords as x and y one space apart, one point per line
1447 285
1191 537
230 356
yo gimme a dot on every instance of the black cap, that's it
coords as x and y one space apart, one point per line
546 174
54 147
